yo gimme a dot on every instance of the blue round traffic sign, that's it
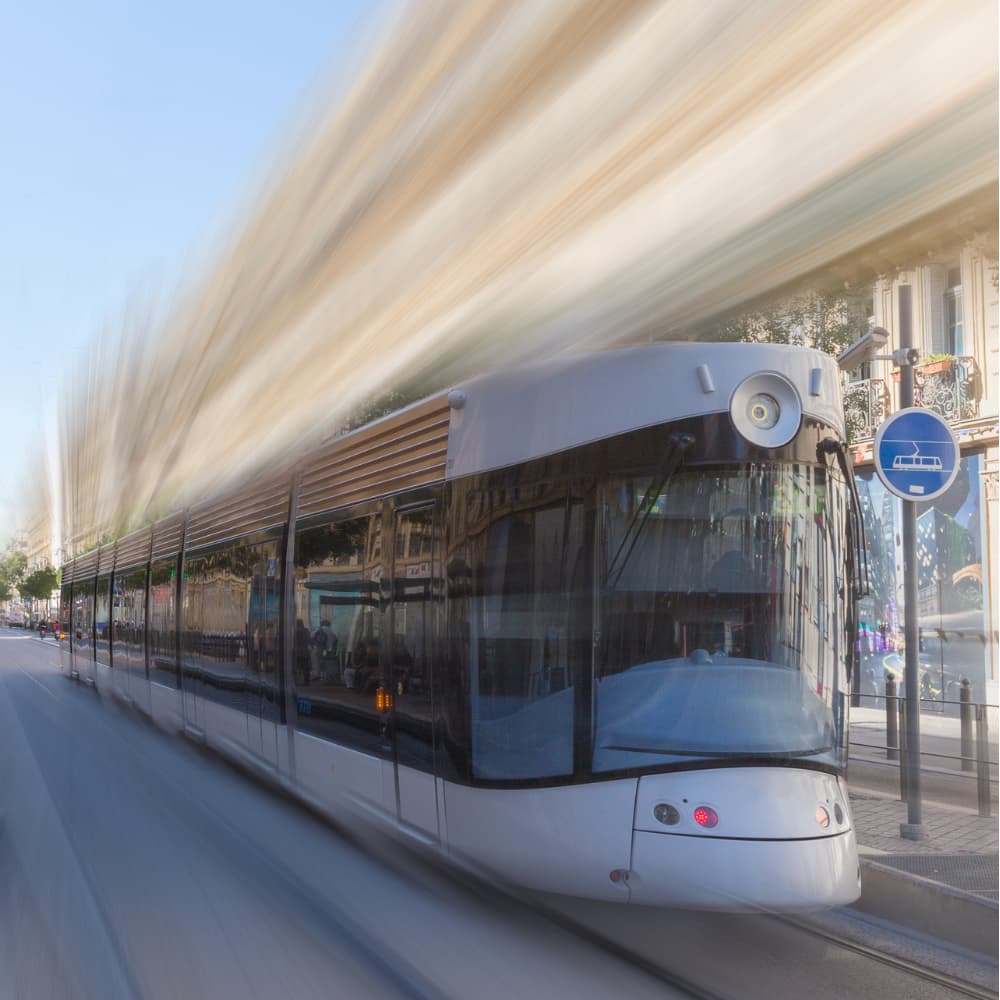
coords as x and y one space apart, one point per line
916 454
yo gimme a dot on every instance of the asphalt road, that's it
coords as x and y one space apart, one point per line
133 864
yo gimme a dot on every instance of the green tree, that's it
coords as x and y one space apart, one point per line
13 564
827 321
40 584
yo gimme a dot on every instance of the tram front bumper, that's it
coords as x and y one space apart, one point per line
744 838
720 874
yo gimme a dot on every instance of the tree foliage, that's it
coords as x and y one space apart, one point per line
827 321
40 584
13 564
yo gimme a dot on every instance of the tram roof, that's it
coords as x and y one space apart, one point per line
509 417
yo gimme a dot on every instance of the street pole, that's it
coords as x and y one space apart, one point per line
940 636
913 829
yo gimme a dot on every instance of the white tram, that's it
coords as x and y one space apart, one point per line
587 625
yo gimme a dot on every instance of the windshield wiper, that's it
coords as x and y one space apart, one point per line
680 445
734 754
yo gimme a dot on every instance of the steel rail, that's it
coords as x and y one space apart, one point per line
961 986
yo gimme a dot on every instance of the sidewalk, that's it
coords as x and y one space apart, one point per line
946 830
944 885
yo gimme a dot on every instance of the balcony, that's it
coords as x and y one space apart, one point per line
866 405
951 387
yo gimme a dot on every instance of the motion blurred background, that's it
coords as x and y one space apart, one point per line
471 186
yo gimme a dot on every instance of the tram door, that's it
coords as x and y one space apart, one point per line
414 633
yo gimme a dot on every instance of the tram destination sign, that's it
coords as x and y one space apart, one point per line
916 454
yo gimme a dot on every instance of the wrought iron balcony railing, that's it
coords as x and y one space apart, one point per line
951 387
866 405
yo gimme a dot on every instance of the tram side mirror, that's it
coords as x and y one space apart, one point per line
863 348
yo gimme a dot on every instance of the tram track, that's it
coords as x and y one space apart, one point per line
959 986
954 985
635 958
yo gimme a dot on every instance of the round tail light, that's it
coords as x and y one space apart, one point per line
706 816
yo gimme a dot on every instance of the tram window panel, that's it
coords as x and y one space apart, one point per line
102 623
710 639
163 621
337 643
415 621
229 645
527 587
131 596
120 613
83 616
265 614
66 609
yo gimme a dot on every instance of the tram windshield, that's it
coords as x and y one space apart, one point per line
722 629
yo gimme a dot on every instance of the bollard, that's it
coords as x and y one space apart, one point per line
983 761
904 788
965 714
891 720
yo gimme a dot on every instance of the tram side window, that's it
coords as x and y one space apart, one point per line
337 644
102 641
231 613
529 568
83 616
65 608
128 619
163 621
415 612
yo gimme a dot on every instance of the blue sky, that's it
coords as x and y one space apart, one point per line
132 134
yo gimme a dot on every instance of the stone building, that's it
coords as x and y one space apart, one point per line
954 301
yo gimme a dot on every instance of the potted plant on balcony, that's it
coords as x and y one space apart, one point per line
933 364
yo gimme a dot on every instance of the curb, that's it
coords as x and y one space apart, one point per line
929 907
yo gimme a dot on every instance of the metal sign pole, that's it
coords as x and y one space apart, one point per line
912 829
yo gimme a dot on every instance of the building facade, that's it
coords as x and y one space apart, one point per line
954 306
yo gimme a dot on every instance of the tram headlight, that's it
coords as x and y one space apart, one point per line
763 411
766 410
666 814
822 817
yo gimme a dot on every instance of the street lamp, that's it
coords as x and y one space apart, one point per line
864 348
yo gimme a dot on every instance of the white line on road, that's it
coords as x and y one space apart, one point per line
31 677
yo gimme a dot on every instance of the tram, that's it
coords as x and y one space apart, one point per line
586 625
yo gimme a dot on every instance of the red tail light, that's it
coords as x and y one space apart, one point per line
706 816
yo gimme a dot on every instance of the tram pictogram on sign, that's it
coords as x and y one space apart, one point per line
916 454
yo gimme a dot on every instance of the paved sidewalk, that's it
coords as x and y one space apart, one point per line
959 849
946 831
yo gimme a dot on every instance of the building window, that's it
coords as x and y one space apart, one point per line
860 374
953 313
